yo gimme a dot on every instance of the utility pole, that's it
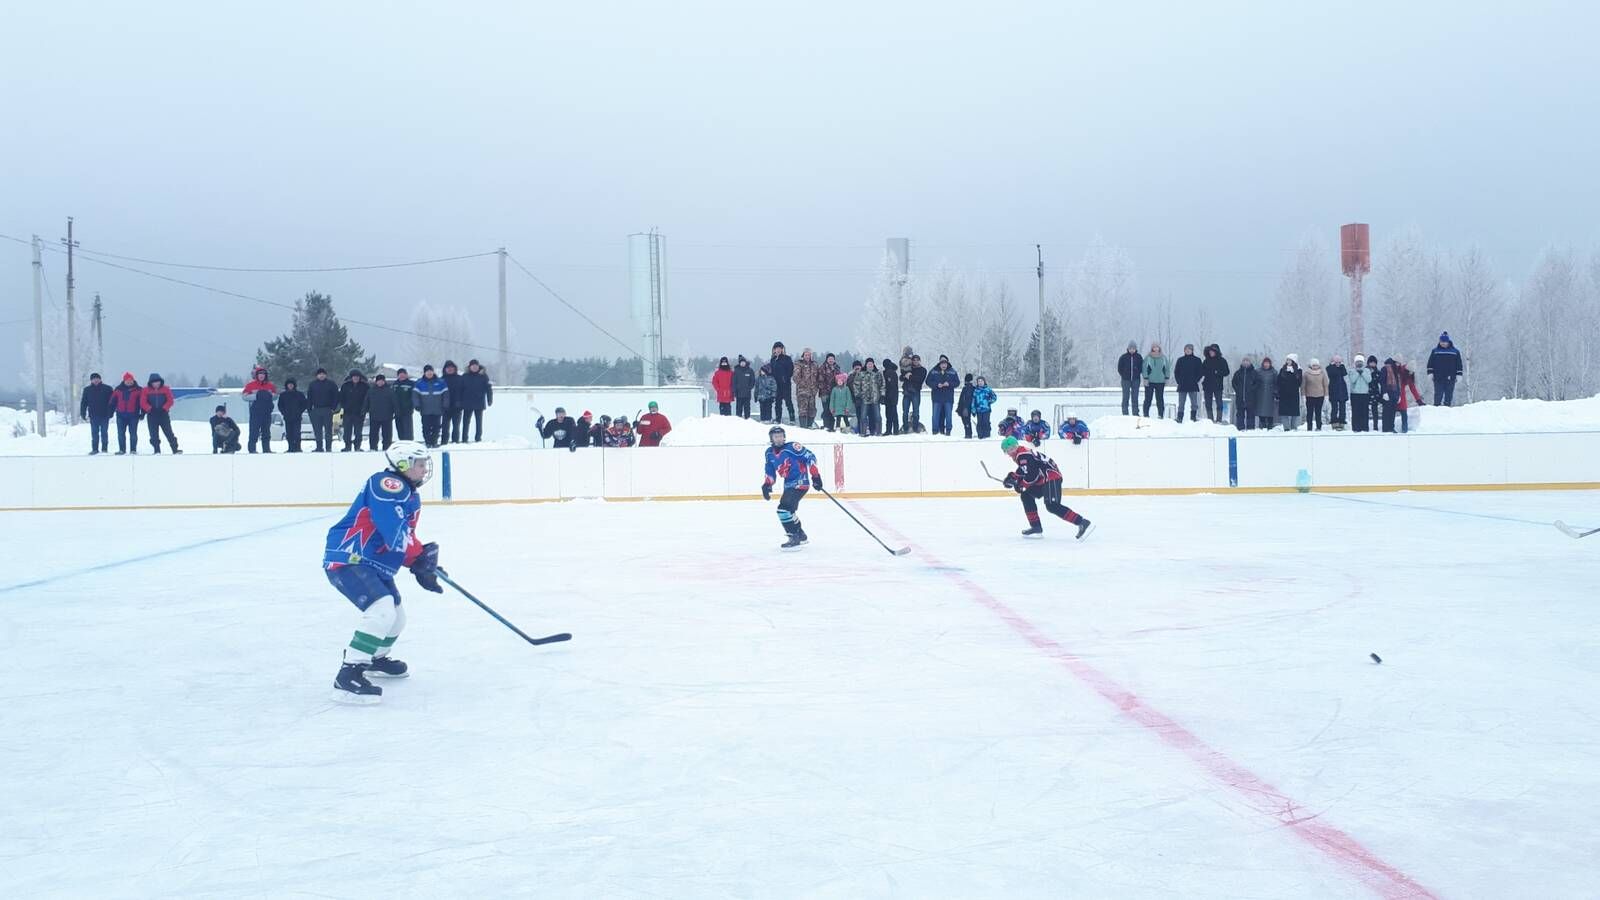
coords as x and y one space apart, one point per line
98 328
38 334
72 329
1039 249
505 362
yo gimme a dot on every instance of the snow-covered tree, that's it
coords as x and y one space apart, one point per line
1306 314
1552 344
441 333
1059 370
884 325
1476 320
999 357
944 319
1410 292
60 386
1100 291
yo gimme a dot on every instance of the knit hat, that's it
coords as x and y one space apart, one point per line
1316 363
840 378
1444 338
587 415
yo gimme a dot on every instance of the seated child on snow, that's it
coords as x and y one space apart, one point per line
841 403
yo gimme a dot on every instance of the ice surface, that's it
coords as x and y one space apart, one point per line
730 721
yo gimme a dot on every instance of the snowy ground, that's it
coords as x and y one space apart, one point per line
1183 706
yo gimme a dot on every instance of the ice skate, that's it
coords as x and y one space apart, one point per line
388 667
351 686
1033 531
1084 527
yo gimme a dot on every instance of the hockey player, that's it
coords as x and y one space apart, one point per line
1036 478
797 466
1036 429
364 551
1012 424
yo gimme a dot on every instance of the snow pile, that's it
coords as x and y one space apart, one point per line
1120 426
724 431
1501 416
19 438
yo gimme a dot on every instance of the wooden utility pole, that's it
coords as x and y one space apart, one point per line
38 333
1039 249
72 331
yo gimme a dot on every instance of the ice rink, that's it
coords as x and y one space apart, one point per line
1184 706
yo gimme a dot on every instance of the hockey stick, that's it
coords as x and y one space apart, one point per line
549 639
1571 532
539 425
988 473
892 552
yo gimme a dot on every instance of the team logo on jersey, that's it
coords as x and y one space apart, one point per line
798 447
392 485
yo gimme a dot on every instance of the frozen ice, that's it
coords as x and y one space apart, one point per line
730 721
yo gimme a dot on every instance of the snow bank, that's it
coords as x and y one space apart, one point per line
1120 426
723 431
1500 416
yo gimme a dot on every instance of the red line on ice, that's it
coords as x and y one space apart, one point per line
1344 850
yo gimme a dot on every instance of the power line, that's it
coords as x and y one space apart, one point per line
562 300
287 269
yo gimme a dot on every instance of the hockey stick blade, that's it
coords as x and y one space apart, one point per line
988 473
1574 533
552 639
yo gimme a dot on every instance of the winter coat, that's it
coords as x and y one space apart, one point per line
379 402
127 398
964 402
1375 383
1074 431
891 382
403 389
1360 381
942 384
1035 431
432 396
452 380
476 391
1130 365
156 400
1244 387
767 387
564 431
1338 388
95 402
868 385
651 428
1011 426
292 403
1315 382
722 383
353 397
1408 386
1444 362
619 436
1156 369
840 403
322 393
1289 391
983 399
225 433
1187 372
805 396
825 380
258 398
744 380
1213 368
1264 401
912 379
782 369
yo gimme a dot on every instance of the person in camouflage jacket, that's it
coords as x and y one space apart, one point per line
824 387
807 390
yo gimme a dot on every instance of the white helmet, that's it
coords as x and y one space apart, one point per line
410 457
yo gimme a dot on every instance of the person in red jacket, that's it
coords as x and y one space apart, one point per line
156 401
652 427
722 383
125 403
259 395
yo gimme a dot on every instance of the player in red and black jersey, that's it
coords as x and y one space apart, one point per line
1038 478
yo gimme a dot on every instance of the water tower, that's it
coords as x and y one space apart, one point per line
1355 254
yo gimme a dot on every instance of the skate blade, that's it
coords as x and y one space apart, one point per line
1033 537
371 674
350 699
793 549
1085 535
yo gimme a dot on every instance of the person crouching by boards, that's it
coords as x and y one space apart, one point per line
1037 478
1075 430
374 540
224 431
797 466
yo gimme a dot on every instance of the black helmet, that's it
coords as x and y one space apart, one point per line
777 430
1037 413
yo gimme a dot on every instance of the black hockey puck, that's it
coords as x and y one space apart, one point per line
1375 657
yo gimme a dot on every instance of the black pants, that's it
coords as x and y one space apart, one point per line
1314 413
1336 411
430 428
1375 403
375 425
163 421
1130 397
1264 423
1158 392
472 420
127 432
352 431
742 406
1243 418
891 413
261 431
322 430
724 409
1213 398
455 424
789 510
1359 410
404 427
870 422
291 431
827 415
1050 493
966 422
785 399
99 435
983 426
1389 408
766 410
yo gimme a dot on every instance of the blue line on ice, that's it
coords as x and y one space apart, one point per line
1433 509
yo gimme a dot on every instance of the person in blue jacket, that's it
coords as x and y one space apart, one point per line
1036 429
432 396
364 550
1444 364
942 384
1074 430
797 468
983 400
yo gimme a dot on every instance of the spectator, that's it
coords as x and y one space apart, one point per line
744 383
891 396
1338 393
1036 429
1444 364
477 394
379 410
451 432
1187 372
964 405
983 400
1360 385
156 400
805 388
942 383
1266 395
1245 389
224 431
1375 392
353 405
1408 387
1156 372
432 397
652 426
912 379
841 403
1213 374
620 434
126 402
1075 431
853 382
95 406
1289 377
871 422
722 383
1315 386
323 395
1130 367
826 377
259 396
404 403
292 404
767 393
783 370
1013 425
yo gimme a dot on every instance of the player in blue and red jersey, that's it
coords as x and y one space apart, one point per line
797 467
1038 478
364 551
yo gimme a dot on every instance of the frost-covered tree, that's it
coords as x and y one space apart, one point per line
1059 370
1100 290
999 356
440 333
1410 292
1476 319
60 386
1551 349
944 320
884 324
1305 316
316 339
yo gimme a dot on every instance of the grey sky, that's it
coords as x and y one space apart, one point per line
775 149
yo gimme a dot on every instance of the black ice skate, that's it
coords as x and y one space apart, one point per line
388 667
1034 530
795 541
1084 527
351 685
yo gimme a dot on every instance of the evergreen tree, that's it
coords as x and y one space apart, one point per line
1059 370
229 381
204 382
316 339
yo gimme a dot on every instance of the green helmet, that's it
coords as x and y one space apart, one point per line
1009 444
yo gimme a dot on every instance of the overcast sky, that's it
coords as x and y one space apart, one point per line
776 150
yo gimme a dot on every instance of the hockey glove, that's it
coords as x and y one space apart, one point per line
426 568
539 423
1077 439
816 482
1011 480
766 490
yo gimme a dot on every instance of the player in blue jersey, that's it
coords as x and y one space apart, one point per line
797 467
364 551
